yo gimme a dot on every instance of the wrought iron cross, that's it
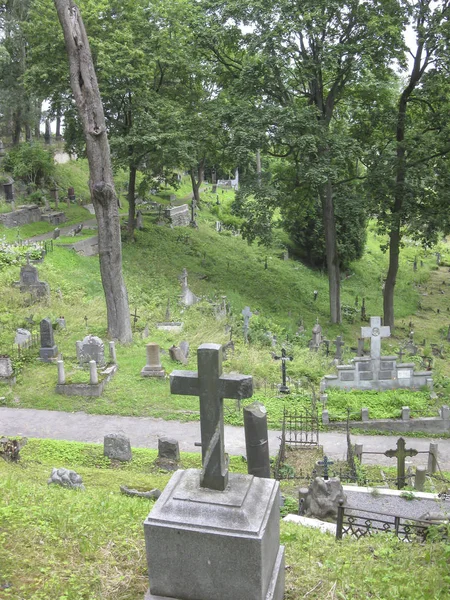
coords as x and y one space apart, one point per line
283 388
401 453
212 387
325 463
135 317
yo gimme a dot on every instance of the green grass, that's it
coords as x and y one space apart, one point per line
68 545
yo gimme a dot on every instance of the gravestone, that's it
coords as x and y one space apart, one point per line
23 338
316 339
323 498
139 220
283 388
49 349
187 297
153 367
6 370
29 282
177 354
246 313
256 440
213 535
91 348
117 447
339 343
400 454
184 347
168 449
178 216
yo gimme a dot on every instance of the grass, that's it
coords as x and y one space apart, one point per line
67 545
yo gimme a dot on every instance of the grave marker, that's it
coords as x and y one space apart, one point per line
284 358
246 313
49 349
400 454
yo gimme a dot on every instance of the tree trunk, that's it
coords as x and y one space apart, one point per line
58 128
87 96
17 127
48 132
331 250
27 132
195 186
131 201
389 286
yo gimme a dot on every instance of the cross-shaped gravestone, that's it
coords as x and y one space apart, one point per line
135 317
375 332
212 387
339 343
401 453
283 388
246 313
325 463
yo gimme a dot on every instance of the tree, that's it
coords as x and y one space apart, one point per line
302 62
87 97
408 169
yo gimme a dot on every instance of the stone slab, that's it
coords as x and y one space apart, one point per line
366 376
205 544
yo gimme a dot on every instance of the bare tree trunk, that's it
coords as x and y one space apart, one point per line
48 132
196 183
331 250
17 127
58 127
131 201
87 96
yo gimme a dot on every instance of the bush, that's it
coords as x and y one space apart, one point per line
30 163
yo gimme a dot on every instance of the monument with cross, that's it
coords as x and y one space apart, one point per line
209 523
377 372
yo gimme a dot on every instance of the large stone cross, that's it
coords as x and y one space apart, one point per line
375 332
212 387
400 454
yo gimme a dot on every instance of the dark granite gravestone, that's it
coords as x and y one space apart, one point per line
256 440
211 535
49 349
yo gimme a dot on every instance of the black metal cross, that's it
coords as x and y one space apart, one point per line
212 387
135 317
401 453
283 388
325 463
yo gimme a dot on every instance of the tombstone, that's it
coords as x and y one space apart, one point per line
91 348
23 338
145 332
213 535
400 454
187 297
360 351
256 440
139 220
112 353
66 478
153 367
117 447
375 332
184 347
71 195
339 343
48 350
283 388
61 322
411 348
316 339
246 313
176 354
323 499
56 233
29 282
6 370
168 449
9 191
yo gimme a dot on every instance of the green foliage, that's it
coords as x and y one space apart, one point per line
31 163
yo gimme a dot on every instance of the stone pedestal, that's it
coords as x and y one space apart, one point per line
205 544
153 367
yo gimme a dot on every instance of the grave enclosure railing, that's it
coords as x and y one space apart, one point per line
364 523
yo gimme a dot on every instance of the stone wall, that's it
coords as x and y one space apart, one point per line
29 213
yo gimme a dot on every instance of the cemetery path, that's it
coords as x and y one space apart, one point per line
145 431
64 231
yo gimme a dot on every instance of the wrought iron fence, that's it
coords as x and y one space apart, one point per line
364 523
302 429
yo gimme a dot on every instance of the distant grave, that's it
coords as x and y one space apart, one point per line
376 372
29 282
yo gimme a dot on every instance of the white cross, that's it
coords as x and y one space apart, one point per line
375 332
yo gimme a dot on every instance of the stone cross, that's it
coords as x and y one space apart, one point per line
401 453
212 387
283 388
375 332
339 343
246 313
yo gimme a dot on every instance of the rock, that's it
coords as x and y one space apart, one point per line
66 478
168 449
117 446
323 498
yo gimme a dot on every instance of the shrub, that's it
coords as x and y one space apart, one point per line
30 163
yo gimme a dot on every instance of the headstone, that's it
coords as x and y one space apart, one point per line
323 498
66 478
49 349
139 220
6 370
316 339
61 322
339 343
187 297
168 449
256 440
246 313
184 347
56 233
117 447
364 414
375 332
176 354
112 353
400 454
214 536
29 282
91 348
23 338
153 367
